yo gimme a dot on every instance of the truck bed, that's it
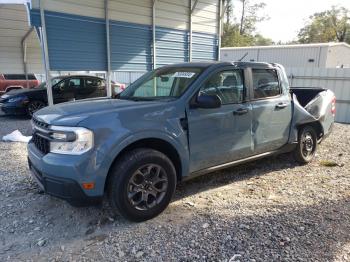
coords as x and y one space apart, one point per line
306 94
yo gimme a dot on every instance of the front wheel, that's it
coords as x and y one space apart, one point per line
307 145
142 184
34 106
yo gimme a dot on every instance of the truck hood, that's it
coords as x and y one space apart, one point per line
70 114
24 91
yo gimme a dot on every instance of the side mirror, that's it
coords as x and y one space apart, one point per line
207 101
164 79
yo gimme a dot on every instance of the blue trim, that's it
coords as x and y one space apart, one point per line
78 43
34 15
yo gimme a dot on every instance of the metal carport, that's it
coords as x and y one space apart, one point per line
122 35
20 50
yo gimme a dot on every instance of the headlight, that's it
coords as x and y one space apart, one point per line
16 99
71 140
4 96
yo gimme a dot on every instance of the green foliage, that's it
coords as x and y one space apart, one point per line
328 26
232 37
241 31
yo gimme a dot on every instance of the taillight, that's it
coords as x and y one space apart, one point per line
333 106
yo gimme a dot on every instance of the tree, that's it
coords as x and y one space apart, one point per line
261 40
229 10
241 31
232 36
328 26
250 16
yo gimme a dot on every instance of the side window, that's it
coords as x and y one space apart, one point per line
94 83
228 85
60 85
74 83
265 83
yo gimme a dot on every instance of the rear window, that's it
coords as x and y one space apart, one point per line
19 77
265 83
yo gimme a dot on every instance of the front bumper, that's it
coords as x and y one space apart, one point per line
13 109
62 175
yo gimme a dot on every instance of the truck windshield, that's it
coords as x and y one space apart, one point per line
163 83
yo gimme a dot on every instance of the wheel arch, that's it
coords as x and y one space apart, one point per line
158 144
316 125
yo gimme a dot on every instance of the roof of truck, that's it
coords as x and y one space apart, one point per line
240 64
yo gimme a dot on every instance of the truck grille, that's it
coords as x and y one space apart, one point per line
39 140
40 124
41 143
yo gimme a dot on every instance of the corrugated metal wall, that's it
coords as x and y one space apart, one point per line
14 25
335 79
303 56
130 33
130 46
75 42
204 47
171 45
339 56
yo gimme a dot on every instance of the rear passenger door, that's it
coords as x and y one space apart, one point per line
86 88
95 87
220 135
272 112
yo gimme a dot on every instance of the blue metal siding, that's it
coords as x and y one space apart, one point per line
172 46
75 42
204 47
131 46
79 43
34 16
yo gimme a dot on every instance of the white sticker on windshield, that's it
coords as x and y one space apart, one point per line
184 74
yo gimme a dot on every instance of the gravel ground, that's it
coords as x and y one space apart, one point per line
270 210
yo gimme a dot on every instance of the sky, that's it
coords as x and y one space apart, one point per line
288 16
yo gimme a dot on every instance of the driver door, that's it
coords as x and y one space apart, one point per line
63 92
223 134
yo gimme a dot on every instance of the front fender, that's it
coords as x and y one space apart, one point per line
178 142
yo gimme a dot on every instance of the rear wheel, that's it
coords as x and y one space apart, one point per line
34 106
307 145
142 184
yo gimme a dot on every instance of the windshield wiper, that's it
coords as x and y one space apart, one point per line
138 98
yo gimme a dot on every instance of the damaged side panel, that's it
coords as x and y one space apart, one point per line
317 111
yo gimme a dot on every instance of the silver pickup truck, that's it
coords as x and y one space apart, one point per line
172 124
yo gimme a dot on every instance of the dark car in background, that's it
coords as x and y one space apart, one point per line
10 82
64 88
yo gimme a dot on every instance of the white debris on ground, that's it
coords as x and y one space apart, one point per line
16 136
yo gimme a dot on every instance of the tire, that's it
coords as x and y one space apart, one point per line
307 145
34 106
142 184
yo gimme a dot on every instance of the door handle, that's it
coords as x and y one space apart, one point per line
240 111
281 105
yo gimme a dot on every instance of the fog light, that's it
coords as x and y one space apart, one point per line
88 186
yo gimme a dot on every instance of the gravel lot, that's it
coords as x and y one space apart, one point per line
270 210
